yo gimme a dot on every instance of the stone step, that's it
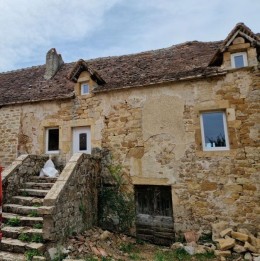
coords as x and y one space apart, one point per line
24 221
22 210
7 256
42 179
14 232
27 201
17 246
37 185
33 192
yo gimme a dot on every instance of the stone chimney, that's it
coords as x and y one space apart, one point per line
53 63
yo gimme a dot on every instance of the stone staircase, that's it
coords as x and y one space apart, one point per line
22 222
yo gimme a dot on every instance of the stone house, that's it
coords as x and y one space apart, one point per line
182 121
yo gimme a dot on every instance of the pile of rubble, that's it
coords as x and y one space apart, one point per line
99 243
241 242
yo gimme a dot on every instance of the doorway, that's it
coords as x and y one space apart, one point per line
81 140
154 216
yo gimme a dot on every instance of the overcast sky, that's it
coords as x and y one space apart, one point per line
96 28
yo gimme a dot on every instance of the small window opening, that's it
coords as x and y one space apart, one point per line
84 88
239 60
52 140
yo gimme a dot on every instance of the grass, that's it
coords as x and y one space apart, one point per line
127 248
24 237
31 253
36 238
13 222
131 250
181 254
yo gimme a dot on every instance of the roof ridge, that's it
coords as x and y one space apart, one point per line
23 69
149 51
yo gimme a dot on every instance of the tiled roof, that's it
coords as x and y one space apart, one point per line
170 64
163 65
27 85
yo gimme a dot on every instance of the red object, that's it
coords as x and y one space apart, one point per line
1 197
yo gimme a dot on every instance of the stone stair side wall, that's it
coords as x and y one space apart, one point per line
19 172
71 204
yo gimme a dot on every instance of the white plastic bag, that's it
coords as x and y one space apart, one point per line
49 170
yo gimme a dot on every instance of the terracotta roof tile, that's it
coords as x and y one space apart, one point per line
168 64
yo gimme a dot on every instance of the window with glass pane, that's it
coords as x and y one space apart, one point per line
214 131
239 60
84 88
53 139
83 141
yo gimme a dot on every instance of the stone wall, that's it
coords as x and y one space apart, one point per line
71 204
19 172
155 134
9 130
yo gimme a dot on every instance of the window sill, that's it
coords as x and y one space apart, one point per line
52 152
216 153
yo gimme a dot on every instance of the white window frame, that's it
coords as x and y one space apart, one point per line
82 88
244 55
47 141
205 148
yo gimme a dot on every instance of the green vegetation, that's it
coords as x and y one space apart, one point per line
127 248
24 237
14 222
116 202
36 238
25 193
31 253
38 226
181 254
33 213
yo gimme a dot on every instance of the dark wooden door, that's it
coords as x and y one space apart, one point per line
154 216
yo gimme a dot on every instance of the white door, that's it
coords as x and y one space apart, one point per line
81 140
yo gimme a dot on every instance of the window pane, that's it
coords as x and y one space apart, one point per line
53 139
214 133
85 88
83 141
239 61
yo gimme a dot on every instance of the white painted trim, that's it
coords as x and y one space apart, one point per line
82 88
225 132
47 141
233 55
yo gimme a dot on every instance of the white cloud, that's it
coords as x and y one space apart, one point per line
28 25
94 28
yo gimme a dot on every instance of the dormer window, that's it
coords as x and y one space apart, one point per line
84 89
239 60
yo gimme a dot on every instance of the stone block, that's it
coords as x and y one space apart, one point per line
239 236
226 232
217 228
249 247
239 249
225 244
222 253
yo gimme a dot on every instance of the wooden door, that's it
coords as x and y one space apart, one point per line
154 218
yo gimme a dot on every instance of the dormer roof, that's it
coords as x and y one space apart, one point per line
81 66
239 30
